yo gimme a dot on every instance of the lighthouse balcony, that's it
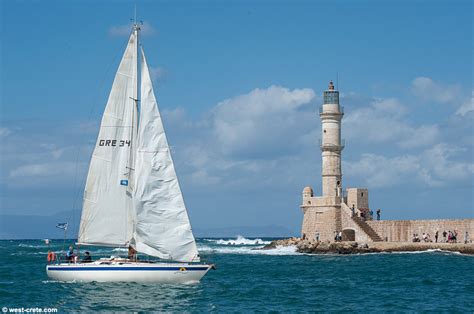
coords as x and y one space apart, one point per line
332 146
331 109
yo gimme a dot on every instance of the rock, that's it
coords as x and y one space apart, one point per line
326 247
271 245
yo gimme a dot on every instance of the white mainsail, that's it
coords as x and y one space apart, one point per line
162 224
107 215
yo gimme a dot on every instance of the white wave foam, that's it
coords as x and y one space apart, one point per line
32 246
29 253
240 240
58 281
279 250
94 253
429 251
120 249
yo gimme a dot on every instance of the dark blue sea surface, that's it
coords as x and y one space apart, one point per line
248 280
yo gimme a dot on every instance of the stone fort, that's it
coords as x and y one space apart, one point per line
348 211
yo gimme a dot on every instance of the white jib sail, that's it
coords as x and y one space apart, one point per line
162 224
107 213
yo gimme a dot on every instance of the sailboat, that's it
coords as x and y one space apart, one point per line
132 196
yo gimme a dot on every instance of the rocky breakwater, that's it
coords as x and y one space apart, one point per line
317 247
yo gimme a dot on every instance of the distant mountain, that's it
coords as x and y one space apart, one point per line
42 227
270 231
37 227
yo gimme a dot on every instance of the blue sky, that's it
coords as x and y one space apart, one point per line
239 84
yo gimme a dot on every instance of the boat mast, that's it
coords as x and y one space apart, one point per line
135 120
136 30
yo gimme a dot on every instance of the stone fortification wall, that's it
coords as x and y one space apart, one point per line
403 230
319 220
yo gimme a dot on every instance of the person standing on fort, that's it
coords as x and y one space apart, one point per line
436 236
466 238
444 236
378 213
353 210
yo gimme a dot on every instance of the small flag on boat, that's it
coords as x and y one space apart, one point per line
124 182
62 225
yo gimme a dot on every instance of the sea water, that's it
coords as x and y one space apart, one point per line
248 279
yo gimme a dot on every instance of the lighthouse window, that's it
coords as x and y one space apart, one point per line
362 194
324 131
331 97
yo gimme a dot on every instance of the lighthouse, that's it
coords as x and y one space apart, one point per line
334 213
331 145
322 214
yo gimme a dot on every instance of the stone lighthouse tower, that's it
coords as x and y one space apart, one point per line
332 212
322 214
331 146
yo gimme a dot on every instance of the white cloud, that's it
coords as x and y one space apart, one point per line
252 140
55 152
378 122
120 30
380 171
157 73
419 136
439 159
40 156
270 135
201 176
43 169
435 166
263 121
383 121
87 127
4 132
466 107
428 90
125 30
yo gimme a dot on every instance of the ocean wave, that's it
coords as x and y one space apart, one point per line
6 282
58 281
430 251
279 250
120 249
28 253
59 252
32 246
240 240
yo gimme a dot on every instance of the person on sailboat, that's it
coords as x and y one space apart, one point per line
132 254
51 256
87 258
70 254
